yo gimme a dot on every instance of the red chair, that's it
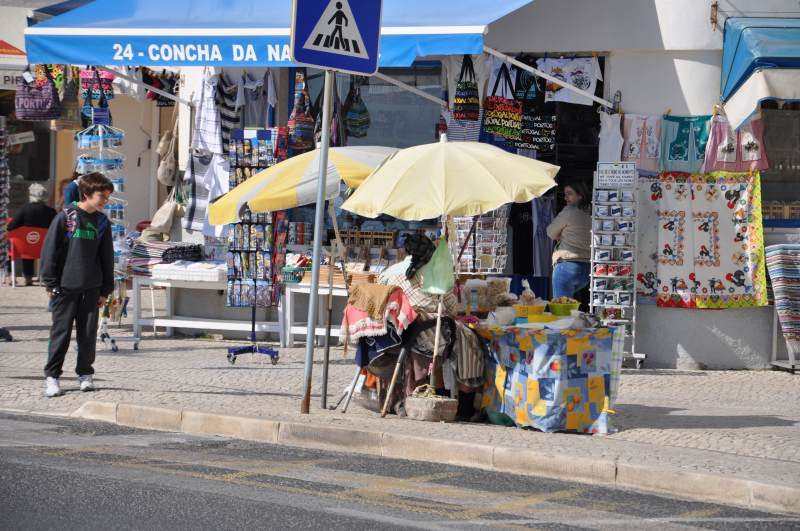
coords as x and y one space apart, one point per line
26 244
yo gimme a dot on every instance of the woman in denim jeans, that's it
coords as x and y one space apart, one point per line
571 230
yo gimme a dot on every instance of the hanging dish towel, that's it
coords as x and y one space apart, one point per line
740 150
642 144
683 143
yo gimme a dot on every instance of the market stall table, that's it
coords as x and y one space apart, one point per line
553 380
286 309
176 321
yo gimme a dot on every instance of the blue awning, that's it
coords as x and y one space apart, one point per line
752 44
760 61
245 32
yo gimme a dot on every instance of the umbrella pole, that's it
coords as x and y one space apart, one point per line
311 327
327 356
335 251
436 340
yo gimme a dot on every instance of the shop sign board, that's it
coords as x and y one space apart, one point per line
616 175
339 35
9 79
21 138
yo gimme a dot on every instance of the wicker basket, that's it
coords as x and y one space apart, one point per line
438 409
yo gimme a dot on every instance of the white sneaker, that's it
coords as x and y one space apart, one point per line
52 387
86 383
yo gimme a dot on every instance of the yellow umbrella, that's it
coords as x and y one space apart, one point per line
450 178
293 182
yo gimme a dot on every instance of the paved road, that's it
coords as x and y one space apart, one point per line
69 474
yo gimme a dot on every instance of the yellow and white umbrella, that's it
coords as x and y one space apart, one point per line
450 178
293 182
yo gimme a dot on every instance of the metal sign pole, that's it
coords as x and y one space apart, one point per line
318 231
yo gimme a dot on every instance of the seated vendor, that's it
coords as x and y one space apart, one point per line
468 354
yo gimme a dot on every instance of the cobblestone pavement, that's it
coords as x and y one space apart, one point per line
743 423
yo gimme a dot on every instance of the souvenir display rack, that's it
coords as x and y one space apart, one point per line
251 259
250 256
486 249
613 250
5 193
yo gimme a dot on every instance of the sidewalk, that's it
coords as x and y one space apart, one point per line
729 425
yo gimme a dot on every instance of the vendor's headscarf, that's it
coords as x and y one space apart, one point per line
421 249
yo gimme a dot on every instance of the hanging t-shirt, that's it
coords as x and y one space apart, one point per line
583 73
229 114
494 66
254 98
207 178
206 135
134 89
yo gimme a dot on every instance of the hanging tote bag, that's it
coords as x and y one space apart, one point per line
167 168
538 128
33 103
162 219
466 101
502 113
301 123
97 82
357 119
86 110
336 112
165 141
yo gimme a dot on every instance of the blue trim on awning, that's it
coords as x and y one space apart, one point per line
137 32
751 44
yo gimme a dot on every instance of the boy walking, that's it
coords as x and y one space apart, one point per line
78 273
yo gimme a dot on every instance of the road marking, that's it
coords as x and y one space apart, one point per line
519 503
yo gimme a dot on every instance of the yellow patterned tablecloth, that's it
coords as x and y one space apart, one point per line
554 380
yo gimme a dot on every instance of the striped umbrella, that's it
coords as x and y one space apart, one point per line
293 182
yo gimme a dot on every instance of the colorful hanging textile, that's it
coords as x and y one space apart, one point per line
783 263
683 142
554 380
710 241
647 283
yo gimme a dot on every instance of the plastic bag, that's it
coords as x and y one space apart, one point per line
438 277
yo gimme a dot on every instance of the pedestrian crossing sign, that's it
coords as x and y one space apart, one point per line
340 35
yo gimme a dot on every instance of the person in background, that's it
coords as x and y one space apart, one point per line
571 230
78 272
71 193
35 214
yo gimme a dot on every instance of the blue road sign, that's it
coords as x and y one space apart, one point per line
337 34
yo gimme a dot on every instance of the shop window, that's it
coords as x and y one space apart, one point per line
781 182
398 118
32 159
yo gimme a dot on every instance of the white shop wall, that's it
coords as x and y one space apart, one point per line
136 120
662 54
